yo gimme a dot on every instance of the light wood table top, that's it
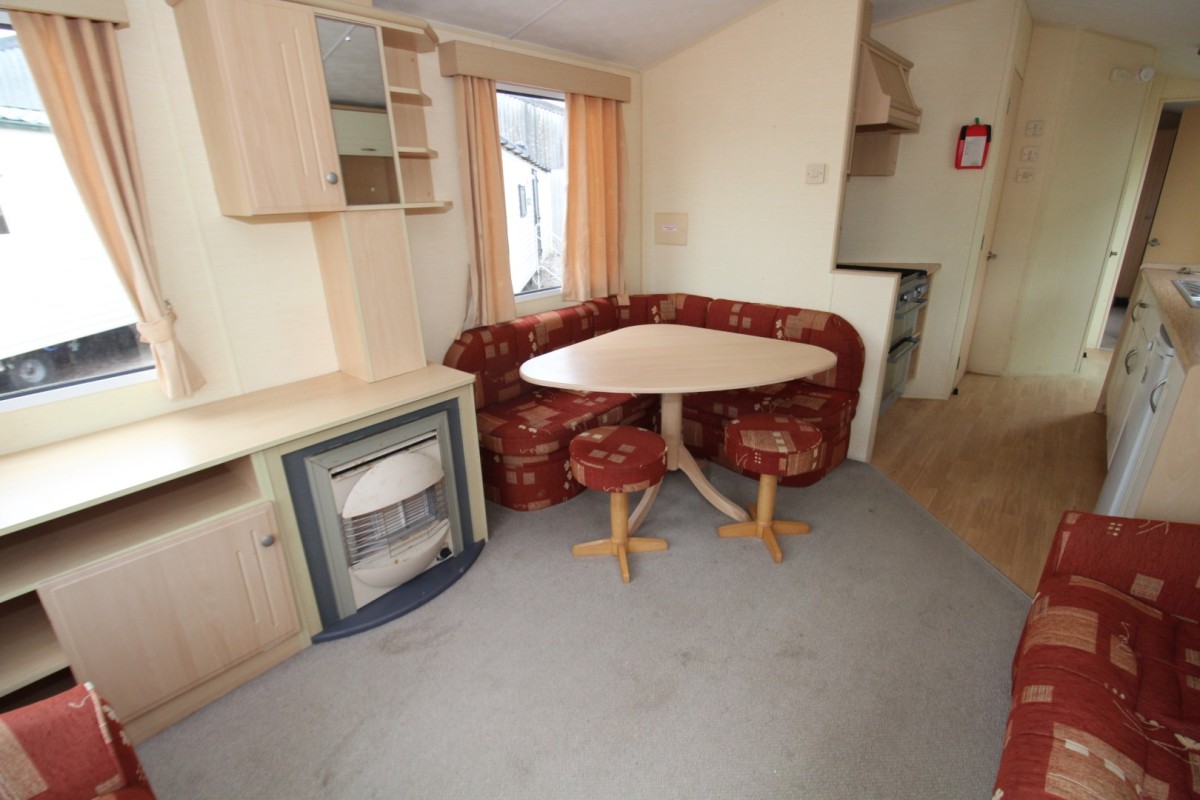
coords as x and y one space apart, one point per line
664 359
671 360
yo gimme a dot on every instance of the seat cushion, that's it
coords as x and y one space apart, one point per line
1106 698
826 408
546 419
773 444
528 483
619 458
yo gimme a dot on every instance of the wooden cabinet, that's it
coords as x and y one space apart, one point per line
255 70
332 120
1129 362
146 595
277 142
147 625
1163 478
135 557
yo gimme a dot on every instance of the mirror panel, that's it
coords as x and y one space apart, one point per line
358 102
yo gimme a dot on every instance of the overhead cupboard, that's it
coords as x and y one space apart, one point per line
316 107
270 78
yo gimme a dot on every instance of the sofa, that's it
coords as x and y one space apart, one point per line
1106 677
525 430
70 745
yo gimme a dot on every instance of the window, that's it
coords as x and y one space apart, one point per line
534 155
67 320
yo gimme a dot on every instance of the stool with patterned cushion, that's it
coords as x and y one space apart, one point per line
619 459
775 446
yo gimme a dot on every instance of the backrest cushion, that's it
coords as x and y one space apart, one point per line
604 314
828 330
756 319
490 354
494 353
654 309
1156 562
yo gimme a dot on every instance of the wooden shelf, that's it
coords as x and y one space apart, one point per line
41 552
433 205
416 152
29 650
405 94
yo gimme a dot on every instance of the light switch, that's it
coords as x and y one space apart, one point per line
814 173
670 228
1035 127
1024 174
1030 153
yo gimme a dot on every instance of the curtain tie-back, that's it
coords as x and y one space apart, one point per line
159 330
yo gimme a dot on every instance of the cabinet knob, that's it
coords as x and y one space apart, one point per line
331 177
267 540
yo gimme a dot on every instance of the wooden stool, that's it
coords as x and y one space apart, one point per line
774 446
619 459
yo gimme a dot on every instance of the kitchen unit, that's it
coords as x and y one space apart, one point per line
907 324
1152 402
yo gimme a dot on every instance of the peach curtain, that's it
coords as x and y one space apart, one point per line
77 69
490 289
595 171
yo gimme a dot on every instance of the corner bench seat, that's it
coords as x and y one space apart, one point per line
525 430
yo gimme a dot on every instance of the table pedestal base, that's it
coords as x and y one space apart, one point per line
621 544
764 526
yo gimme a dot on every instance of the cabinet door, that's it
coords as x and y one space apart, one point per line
255 68
150 624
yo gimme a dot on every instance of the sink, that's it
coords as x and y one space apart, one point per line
1190 288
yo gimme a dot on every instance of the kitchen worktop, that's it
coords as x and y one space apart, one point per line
890 266
1181 320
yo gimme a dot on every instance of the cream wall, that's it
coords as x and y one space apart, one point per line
1175 221
1056 228
729 125
930 212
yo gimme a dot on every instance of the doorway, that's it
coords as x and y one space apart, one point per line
1143 222
1163 226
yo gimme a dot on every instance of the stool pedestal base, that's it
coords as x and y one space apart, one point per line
764 525
620 544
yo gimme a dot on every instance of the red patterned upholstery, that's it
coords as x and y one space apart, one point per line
619 458
1106 677
545 420
68 746
525 430
657 309
756 319
773 444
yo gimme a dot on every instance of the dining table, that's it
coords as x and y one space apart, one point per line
670 361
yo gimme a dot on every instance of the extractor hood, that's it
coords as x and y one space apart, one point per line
884 102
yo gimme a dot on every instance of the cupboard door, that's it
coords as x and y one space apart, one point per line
150 624
255 68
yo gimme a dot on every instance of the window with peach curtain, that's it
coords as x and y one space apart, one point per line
490 289
77 69
596 166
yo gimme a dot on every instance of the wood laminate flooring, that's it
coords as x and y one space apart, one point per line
1000 462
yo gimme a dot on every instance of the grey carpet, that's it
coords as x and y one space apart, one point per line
872 663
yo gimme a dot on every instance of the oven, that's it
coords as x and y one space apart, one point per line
911 299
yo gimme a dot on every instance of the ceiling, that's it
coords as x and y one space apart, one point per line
638 33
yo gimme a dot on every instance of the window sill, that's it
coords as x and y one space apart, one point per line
544 294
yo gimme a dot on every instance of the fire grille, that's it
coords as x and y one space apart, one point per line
394 529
